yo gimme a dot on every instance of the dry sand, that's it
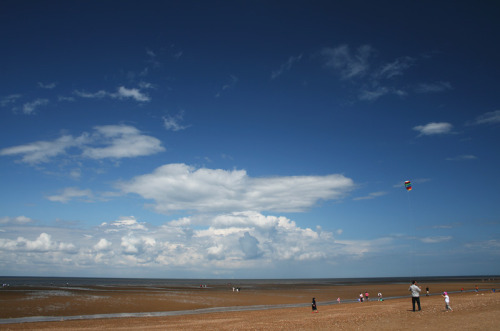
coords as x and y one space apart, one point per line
471 311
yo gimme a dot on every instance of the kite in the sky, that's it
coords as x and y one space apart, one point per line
408 185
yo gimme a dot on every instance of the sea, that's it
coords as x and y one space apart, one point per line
174 282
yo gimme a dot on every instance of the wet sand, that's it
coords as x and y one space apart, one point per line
471 311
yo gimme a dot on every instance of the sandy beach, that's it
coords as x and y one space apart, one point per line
263 307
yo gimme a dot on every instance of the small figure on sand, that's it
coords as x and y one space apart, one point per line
415 294
447 301
427 291
367 296
314 307
379 295
338 300
361 297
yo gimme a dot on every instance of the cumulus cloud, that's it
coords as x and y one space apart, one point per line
111 141
181 187
43 243
434 128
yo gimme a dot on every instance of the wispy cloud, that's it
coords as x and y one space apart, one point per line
121 93
71 193
30 107
48 86
347 63
173 123
120 141
10 99
435 240
43 151
461 158
15 220
181 187
434 128
111 141
230 84
286 66
374 79
372 195
492 117
433 87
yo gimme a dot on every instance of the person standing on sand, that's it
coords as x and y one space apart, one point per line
314 307
415 294
427 291
447 301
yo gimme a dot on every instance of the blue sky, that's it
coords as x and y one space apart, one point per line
249 139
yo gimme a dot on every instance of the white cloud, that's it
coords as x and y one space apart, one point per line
111 141
133 93
434 128
103 245
43 151
43 243
71 193
492 117
30 107
15 220
121 141
121 93
286 66
181 187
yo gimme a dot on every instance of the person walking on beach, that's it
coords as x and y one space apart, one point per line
447 301
314 307
415 294
427 291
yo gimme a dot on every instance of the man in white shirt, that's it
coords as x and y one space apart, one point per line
415 294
